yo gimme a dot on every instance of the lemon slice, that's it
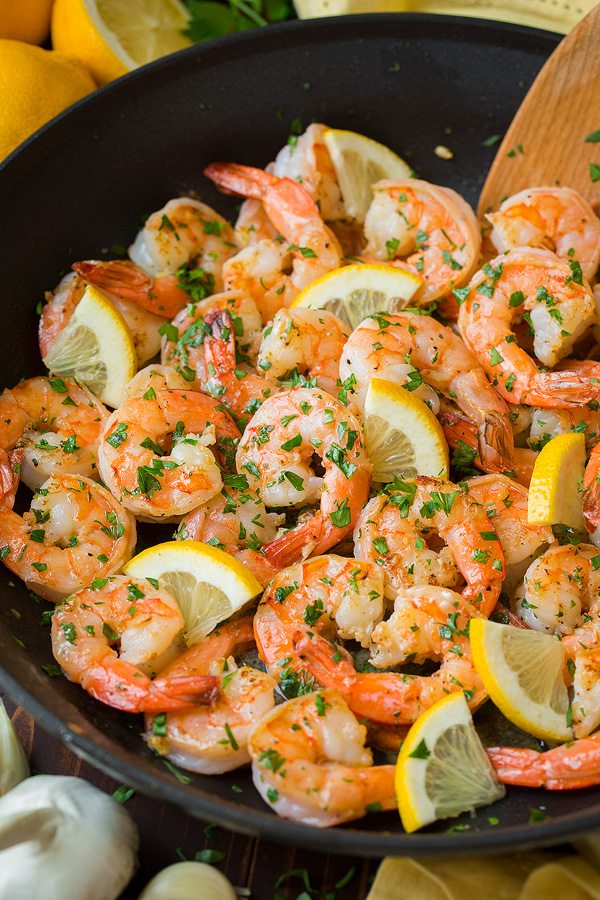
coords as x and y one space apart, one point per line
355 292
359 162
442 768
209 584
95 348
111 37
555 491
402 435
522 671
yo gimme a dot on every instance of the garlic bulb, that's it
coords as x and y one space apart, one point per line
13 763
63 839
188 881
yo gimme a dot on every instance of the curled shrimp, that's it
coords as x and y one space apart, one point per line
310 762
591 496
235 520
557 218
238 388
62 302
505 502
427 229
308 162
309 248
307 341
177 256
186 350
560 595
535 286
155 452
428 622
57 423
144 621
276 453
548 423
213 738
75 531
329 594
424 356
394 528
570 766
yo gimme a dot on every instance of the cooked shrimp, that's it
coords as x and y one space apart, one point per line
548 423
560 595
155 378
309 248
75 532
62 302
307 161
276 453
505 502
186 353
154 453
330 594
591 496
424 356
427 623
145 622
58 425
240 390
557 218
394 528
307 341
236 521
570 766
178 255
535 286
427 229
214 738
310 763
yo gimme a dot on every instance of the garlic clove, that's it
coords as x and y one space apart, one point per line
189 881
13 762
63 839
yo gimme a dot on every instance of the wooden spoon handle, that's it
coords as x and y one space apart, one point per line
546 141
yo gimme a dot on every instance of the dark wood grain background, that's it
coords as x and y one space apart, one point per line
166 832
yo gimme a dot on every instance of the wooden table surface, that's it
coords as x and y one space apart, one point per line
166 832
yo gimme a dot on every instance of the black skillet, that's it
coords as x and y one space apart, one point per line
83 183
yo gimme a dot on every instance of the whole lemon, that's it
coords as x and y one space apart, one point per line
35 85
25 20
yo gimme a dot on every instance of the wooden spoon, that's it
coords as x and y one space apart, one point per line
546 141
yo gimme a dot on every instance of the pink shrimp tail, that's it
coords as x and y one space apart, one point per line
240 181
125 280
558 390
516 765
10 469
299 543
107 684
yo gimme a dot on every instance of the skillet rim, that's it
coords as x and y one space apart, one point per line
119 762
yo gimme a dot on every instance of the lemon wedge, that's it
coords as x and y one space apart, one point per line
555 491
442 769
355 292
209 584
402 435
359 162
95 348
522 671
111 37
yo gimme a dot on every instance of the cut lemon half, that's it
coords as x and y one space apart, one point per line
355 292
522 671
359 162
555 496
111 37
442 769
95 348
402 435
209 584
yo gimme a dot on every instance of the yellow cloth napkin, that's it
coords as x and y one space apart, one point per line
559 15
538 875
